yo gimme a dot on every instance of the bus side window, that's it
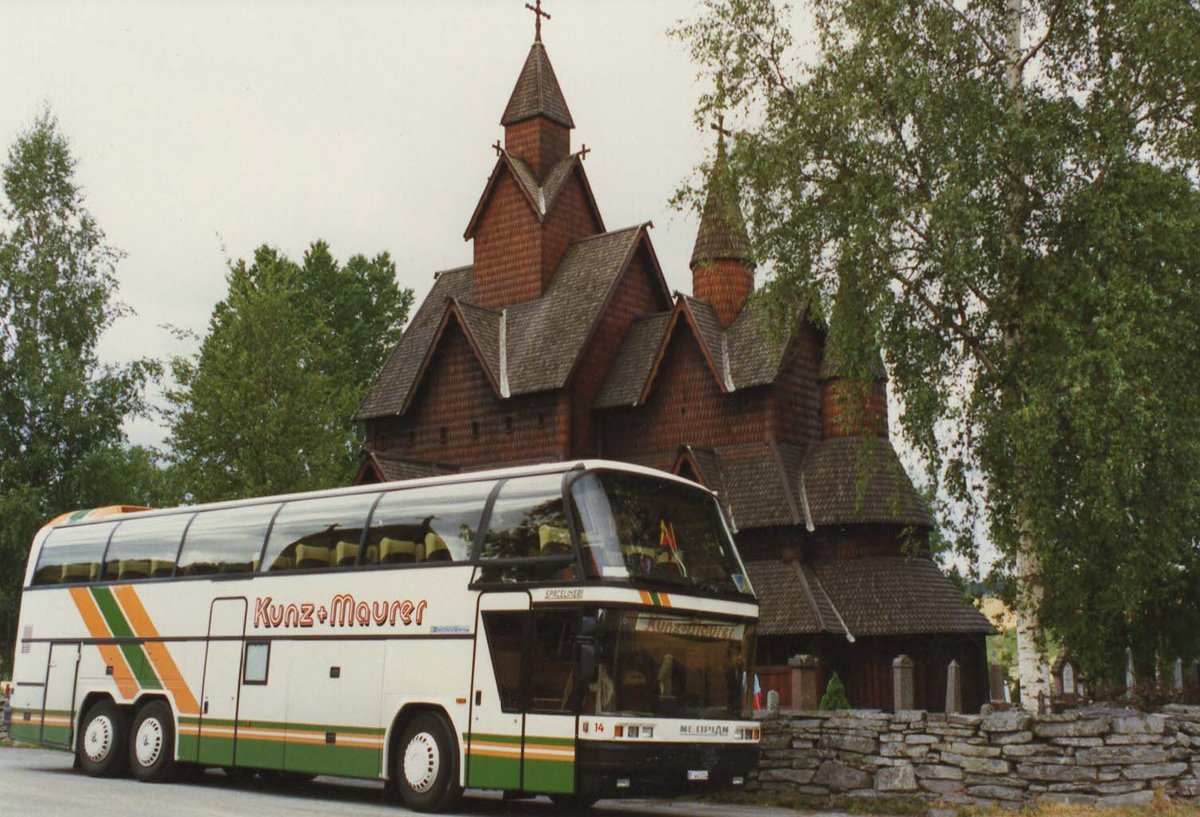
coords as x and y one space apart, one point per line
427 525
225 541
145 548
72 554
318 533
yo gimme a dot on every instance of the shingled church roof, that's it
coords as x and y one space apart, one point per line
527 347
872 596
722 233
537 92
745 355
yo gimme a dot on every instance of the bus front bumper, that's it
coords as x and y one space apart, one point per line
623 769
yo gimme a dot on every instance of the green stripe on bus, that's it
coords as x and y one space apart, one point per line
134 654
297 727
256 753
493 772
549 776
534 740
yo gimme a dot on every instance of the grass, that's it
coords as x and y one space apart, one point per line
1160 808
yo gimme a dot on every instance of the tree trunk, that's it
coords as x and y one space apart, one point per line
1033 668
1032 665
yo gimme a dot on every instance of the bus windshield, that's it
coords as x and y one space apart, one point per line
646 528
673 667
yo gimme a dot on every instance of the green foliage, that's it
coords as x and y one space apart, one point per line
267 405
835 695
61 410
1021 229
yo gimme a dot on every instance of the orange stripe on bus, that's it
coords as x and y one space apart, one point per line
160 656
122 675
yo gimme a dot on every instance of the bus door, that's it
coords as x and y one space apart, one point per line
222 682
58 695
497 724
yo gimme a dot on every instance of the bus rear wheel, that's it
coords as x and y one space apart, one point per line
152 744
426 764
102 737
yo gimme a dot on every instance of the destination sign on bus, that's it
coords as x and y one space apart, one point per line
693 629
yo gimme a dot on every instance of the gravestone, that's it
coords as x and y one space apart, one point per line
953 689
1130 679
1066 680
1179 674
772 701
903 690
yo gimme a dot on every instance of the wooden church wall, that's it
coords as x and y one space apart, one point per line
637 294
570 220
685 406
795 397
507 248
457 418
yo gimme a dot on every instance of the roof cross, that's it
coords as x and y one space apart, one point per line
538 14
496 147
719 127
584 151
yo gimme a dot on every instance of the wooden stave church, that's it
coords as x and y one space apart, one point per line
562 341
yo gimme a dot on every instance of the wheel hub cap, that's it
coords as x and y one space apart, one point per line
421 762
98 738
149 741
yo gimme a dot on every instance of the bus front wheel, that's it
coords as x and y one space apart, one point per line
102 738
152 743
426 765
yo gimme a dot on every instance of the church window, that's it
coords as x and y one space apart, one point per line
474 429
444 434
412 438
508 424
541 419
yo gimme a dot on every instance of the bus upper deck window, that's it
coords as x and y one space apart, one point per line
72 554
528 522
226 540
318 533
145 548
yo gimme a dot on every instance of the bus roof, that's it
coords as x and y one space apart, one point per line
114 513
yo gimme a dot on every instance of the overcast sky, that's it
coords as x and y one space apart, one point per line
205 129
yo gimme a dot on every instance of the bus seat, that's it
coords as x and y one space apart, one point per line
345 553
133 568
80 572
238 567
312 555
282 563
553 540
371 555
394 551
436 550
161 567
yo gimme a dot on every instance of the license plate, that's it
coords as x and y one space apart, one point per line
697 774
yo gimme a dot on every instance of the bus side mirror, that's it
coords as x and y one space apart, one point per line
587 667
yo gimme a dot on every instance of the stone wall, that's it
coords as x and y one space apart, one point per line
1086 756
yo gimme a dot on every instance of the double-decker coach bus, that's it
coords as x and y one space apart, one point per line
577 630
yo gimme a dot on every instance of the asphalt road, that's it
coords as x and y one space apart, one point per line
39 781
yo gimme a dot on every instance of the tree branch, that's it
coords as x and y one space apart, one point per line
1037 47
995 52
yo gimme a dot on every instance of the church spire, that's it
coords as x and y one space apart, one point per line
537 123
722 272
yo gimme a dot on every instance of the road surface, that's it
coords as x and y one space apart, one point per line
42 782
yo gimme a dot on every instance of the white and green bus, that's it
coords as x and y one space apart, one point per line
578 630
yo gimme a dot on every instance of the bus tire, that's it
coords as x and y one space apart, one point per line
102 739
152 743
426 764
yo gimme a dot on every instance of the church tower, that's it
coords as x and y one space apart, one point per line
537 201
722 272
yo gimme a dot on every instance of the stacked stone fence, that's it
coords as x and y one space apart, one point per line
1088 756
